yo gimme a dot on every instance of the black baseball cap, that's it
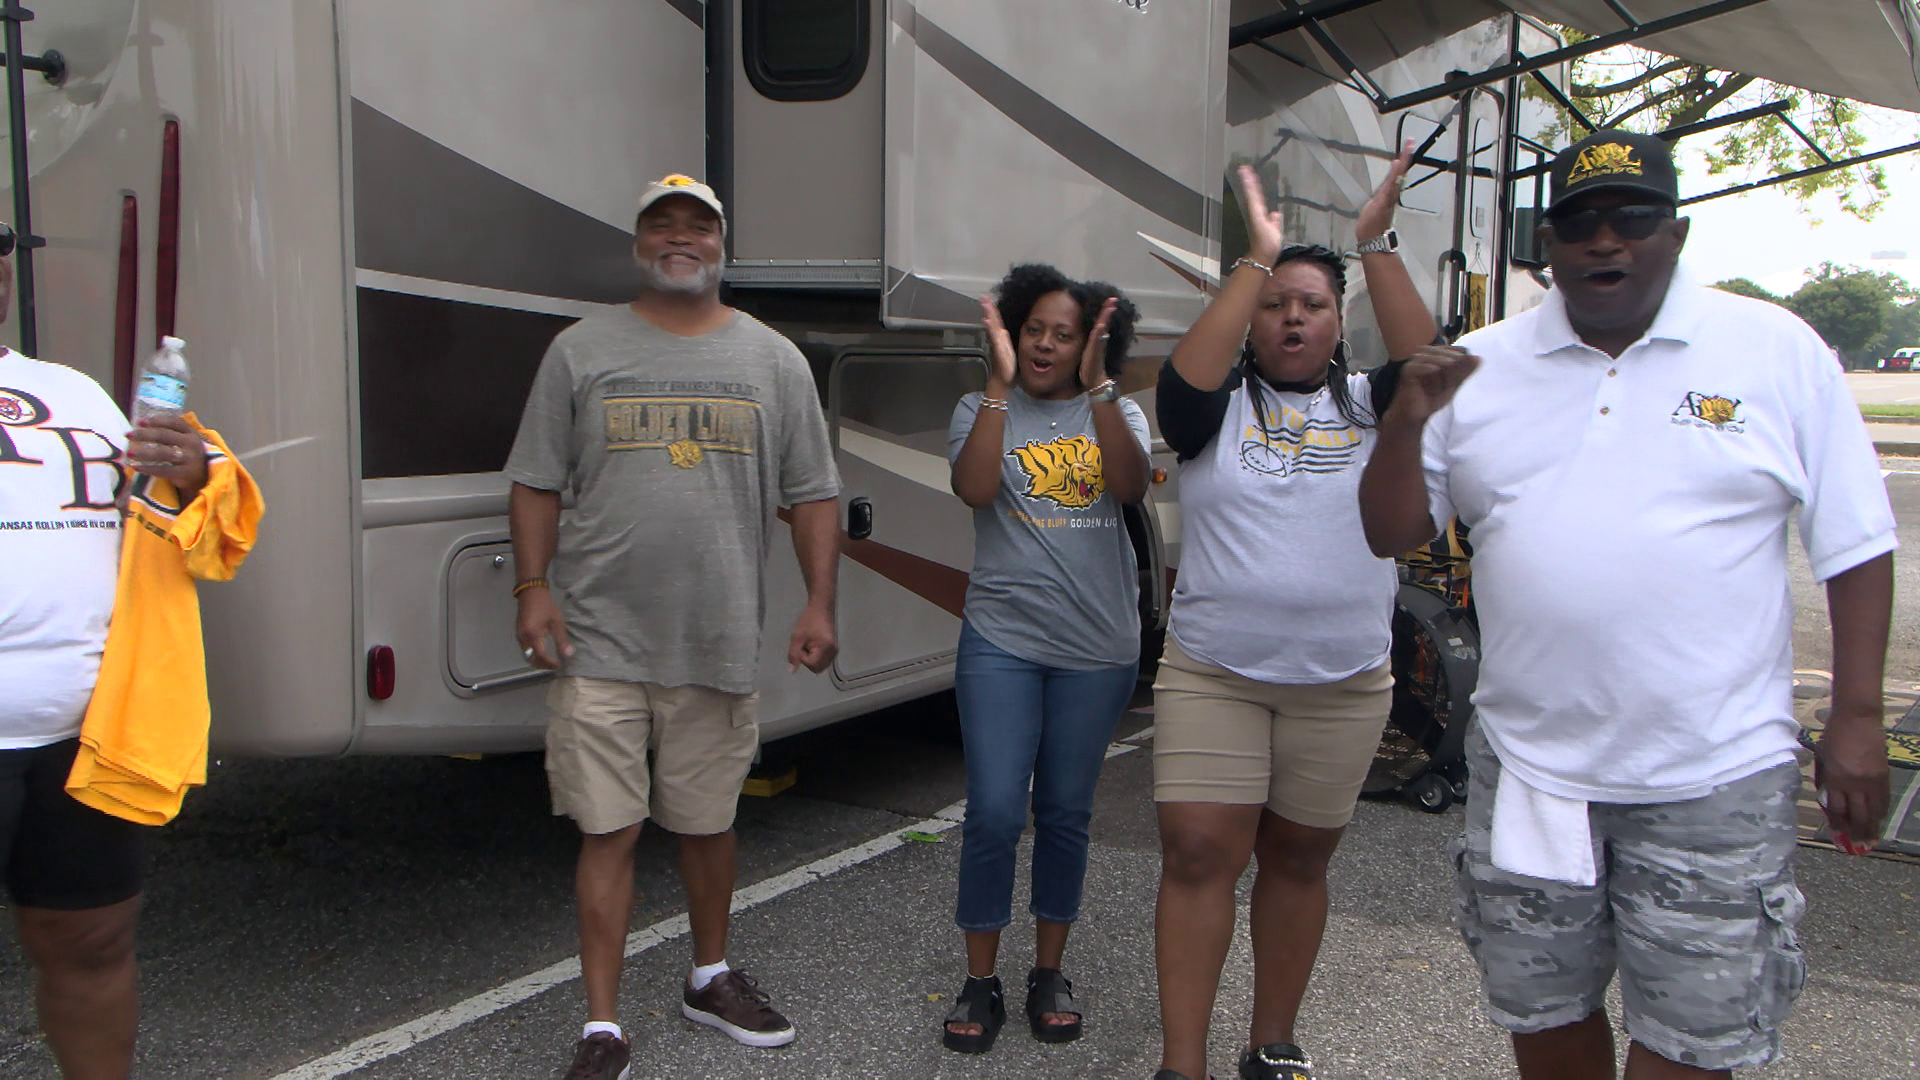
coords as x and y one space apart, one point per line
1614 160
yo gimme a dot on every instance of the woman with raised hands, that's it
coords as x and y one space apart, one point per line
1275 685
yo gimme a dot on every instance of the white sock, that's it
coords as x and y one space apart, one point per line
703 975
594 1027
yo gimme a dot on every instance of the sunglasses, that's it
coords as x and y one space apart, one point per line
1635 222
6 241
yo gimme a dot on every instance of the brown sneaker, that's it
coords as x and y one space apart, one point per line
735 1004
600 1056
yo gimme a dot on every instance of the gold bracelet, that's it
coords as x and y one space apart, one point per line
530 583
993 403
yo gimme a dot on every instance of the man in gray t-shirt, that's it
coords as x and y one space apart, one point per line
679 427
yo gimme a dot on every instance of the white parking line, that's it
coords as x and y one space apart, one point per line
398 1040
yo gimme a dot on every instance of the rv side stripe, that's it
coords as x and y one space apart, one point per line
473 294
694 10
1109 162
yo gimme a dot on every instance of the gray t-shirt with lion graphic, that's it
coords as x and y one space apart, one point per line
1054 578
678 451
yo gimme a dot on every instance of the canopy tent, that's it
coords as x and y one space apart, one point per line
1864 50
1859 49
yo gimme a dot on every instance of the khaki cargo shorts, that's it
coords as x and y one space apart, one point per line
1304 751
599 735
1695 906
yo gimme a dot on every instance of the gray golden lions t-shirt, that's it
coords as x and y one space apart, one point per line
677 451
1054 579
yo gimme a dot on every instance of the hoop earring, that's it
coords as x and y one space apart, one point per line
1342 354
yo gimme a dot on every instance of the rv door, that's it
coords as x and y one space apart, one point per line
1086 134
910 540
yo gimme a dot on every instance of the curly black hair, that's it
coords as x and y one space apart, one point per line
1337 368
1026 283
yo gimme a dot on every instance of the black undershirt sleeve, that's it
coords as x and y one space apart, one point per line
1190 418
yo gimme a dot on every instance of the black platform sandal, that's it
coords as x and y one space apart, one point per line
980 1002
1048 991
1275 1061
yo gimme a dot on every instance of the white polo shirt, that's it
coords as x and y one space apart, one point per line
1629 526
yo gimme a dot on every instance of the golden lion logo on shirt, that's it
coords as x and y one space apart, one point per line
1710 411
689 428
1605 159
1065 472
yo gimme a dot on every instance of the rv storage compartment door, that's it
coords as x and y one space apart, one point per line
806 145
1084 133
901 589
482 653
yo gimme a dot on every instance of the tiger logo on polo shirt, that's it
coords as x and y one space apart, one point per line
1711 411
1064 472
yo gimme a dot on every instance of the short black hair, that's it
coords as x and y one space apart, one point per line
1325 258
1026 283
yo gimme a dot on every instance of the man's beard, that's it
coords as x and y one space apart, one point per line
652 277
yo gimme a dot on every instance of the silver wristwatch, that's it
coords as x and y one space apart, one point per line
1386 243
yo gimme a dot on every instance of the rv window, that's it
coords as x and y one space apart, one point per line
805 50
443 383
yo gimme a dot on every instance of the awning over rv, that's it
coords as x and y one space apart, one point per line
1859 49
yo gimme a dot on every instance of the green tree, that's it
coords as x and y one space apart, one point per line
1748 287
1647 91
1901 330
1847 306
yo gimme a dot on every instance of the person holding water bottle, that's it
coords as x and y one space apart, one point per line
72 872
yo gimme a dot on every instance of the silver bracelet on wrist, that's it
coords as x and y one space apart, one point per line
1244 261
993 403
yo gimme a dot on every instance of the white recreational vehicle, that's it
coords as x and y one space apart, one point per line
369 217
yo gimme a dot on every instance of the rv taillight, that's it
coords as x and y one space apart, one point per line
380 672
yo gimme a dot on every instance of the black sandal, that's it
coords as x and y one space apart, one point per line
981 1002
1275 1061
1048 991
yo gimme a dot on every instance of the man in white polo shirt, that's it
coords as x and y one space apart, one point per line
1628 456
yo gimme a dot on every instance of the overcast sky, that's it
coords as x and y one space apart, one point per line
1762 235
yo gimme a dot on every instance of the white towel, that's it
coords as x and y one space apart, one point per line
1539 835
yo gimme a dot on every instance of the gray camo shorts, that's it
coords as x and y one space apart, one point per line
1695 907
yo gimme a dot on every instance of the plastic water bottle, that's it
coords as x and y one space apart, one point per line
162 390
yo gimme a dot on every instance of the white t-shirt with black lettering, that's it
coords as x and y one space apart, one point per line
1629 523
61 441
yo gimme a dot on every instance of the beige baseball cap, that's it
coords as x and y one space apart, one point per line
678 184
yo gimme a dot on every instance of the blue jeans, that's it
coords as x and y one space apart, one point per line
1023 720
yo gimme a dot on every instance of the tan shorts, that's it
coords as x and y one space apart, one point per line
599 732
1304 751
